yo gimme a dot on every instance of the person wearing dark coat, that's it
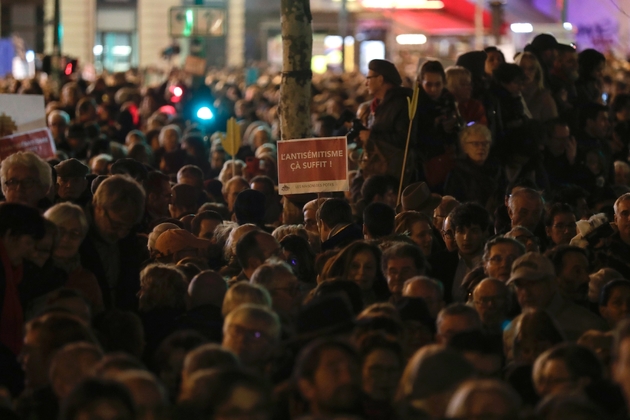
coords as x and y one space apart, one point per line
388 121
474 178
437 123
111 250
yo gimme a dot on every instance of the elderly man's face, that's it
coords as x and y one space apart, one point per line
113 225
23 186
398 271
421 289
525 211
285 294
499 263
71 188
250 339
534 294
490 300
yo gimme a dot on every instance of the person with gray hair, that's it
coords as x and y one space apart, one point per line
473 179
112 250
283 286
72 227
26 179
525 208
252 332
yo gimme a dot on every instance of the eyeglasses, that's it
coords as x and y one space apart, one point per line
70 234
479 144
26 183
253 335
116 225
290 290
498 259
488 300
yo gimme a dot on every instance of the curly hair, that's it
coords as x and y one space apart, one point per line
162 286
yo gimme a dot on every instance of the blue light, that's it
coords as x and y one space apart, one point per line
204 113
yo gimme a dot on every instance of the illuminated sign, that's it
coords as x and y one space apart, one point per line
402 4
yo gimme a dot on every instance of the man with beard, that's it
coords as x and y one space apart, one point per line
328 375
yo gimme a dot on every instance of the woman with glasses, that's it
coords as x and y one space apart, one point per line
474 178
72 227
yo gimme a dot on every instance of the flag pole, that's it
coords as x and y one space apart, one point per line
412 105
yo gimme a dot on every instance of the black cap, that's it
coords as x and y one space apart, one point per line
387 69
543 42
71 168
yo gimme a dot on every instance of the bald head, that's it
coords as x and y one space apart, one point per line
207 288
428 289
491 300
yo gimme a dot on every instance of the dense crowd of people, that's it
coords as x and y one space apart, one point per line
145 273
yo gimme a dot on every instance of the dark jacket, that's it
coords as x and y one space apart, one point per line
432 140
443 267
470 182
389 125
132 254
343 237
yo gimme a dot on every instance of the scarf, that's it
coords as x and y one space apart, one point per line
12 316
373 105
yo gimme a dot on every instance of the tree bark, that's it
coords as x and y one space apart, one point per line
295 88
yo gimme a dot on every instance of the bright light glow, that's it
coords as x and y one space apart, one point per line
411 39
402 4
319 64
121 50
349 40
204 113
177 91
568 26
30 56
332 42
97 50
522 28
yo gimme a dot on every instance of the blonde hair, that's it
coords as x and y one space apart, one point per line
538 78
454 76
242 293
63 212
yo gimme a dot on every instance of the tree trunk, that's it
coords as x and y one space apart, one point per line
295 88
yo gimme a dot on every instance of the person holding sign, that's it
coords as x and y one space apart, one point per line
388 122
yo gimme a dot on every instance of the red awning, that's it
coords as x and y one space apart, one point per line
456 18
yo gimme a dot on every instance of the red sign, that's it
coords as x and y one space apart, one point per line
312 165
38 141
